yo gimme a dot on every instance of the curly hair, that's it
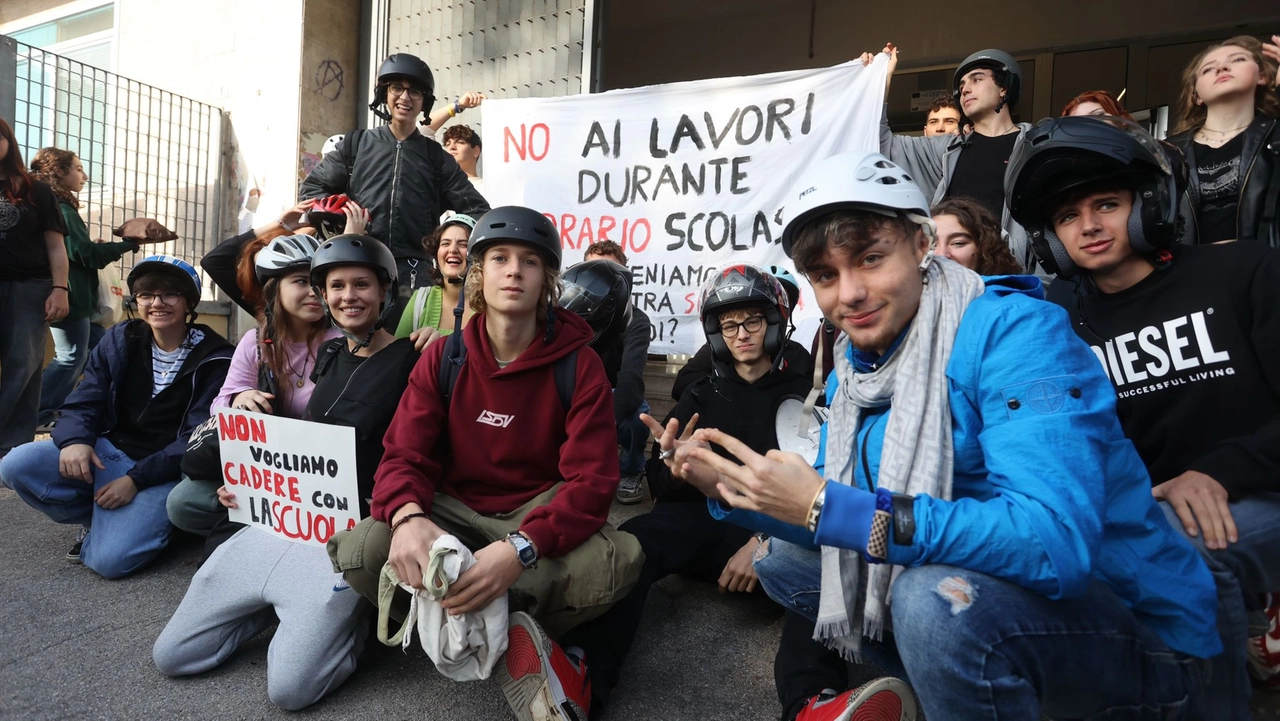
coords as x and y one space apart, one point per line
941 102
1191 116
474 288
606 247
994 256
49 166
1109 104
461 133
431 244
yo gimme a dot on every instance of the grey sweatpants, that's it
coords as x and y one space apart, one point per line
247 583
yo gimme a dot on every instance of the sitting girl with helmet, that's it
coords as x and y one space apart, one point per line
255 577
115 452
270 372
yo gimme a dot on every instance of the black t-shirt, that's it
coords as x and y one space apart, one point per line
1194 354
979 172
362 392
1218 170
23 255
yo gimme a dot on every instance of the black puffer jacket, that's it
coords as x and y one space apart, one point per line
1256 218
405 185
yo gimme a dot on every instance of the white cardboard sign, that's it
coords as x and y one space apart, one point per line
294 479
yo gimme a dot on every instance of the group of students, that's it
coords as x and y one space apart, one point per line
1016 508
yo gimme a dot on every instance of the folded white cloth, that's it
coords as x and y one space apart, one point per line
464 647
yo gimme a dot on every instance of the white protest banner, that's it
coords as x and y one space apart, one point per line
295 479
686 177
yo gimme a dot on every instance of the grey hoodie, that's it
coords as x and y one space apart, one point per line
932 161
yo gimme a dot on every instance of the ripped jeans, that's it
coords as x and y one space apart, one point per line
974 646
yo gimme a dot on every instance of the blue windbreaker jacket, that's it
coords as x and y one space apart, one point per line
1048 492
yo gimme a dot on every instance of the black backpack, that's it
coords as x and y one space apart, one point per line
564 370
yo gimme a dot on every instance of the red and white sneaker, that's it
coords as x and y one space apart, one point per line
541 682
883 699
1264 650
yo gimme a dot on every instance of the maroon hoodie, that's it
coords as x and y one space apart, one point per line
507 438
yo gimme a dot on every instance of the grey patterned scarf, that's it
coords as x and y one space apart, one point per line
917 454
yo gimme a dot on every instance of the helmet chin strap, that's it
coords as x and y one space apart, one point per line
930 229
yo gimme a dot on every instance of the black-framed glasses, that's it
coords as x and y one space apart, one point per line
153 298
729 329
398 90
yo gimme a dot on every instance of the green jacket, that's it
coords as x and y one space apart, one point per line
426 304
87 258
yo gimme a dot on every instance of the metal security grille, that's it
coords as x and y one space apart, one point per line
148 152
505 48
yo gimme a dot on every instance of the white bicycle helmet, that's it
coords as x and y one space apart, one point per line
286 253
858 180
331 144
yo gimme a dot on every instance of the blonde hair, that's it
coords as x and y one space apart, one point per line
473 287
1191 116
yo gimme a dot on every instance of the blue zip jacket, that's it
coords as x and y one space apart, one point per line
91 409
1048 492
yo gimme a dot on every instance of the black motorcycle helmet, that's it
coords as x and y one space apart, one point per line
1007 72
737 286
515 223
357 250
412 70
1063 156
599 292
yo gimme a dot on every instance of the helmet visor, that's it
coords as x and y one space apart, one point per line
581 300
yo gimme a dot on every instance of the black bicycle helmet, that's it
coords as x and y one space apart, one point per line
514 223
599 292
411 69
357 250
1007 71
1062 156
743 285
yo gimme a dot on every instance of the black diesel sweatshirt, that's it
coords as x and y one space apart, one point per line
1193 351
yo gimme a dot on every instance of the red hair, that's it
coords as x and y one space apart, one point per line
1109 104
246 277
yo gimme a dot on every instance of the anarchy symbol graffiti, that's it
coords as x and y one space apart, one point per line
329 79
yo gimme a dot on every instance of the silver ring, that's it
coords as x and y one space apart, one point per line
664 455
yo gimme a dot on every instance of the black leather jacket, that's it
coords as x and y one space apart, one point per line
405 185
1256 217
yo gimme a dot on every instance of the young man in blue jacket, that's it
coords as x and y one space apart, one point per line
116 449
1190 338
973 463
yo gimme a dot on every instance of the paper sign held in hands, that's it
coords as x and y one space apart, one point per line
294 479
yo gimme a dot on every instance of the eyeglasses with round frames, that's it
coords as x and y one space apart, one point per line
752 324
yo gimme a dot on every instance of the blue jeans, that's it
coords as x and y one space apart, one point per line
70 353
633 436
1008 653
1244 570
121 541
22 331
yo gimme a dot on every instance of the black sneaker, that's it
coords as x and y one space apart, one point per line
74 554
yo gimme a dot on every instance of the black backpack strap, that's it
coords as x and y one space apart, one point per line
565 371
351 143
451 366
328 352
438 154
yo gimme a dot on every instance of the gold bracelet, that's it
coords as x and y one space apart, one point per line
815 509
